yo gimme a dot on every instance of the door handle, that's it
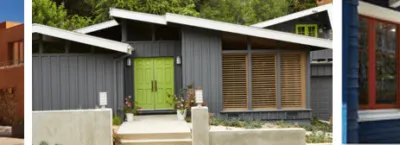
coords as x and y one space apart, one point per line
152 85
155 88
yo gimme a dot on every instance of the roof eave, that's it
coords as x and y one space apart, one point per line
82 38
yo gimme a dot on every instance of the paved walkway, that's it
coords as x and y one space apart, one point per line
147 124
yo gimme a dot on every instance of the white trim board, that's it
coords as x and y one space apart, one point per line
97 27
138 16
394 3
378 115
374 11
294 16
222 26
82 38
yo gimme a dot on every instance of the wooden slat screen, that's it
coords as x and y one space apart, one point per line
234 79
263 81
293 73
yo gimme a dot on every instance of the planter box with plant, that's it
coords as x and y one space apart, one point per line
130 109
179 104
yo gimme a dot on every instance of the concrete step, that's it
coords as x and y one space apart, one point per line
150 136
157 142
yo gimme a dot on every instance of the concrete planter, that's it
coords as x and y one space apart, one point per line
17 131
181 116
129 117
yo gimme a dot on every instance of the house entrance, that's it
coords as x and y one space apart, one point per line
154 79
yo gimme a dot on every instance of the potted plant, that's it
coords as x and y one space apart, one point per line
178 103
128 109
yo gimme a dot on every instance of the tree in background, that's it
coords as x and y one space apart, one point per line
49 13
73 14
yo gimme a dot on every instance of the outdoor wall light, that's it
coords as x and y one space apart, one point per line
178 60
128 62
103 99
199 96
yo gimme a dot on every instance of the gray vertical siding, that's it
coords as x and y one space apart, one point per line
73 81
202 64
321 90
154 49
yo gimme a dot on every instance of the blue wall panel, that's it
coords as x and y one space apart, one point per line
387 131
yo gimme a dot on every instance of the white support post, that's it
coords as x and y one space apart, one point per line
200 126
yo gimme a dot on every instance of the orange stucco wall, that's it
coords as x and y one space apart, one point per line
9 32
12 76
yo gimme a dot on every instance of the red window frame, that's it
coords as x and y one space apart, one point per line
372 66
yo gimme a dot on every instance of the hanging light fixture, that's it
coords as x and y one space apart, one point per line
128 61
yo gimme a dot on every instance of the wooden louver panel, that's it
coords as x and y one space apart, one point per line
293 80
234 79
263 81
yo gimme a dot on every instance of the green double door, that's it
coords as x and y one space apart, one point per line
154 79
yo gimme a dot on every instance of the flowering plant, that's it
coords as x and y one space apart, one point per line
128 105
177 101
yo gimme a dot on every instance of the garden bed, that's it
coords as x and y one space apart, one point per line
317 132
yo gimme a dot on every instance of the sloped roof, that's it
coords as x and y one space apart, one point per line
296 15
220 26
82 38
97 27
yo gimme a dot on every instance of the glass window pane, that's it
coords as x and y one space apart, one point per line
385 52
363 62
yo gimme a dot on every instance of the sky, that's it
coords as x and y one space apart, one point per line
12 10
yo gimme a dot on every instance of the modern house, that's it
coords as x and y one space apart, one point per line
245 72
314 22
376 116
12 69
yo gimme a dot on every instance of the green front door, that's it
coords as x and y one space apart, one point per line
154 79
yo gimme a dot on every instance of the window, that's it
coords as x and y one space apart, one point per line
16 51
378 64
250 78
263 81
307 29
234 76
293 80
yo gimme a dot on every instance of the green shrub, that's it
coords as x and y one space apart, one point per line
116 120
318 137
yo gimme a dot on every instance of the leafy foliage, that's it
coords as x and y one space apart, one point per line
73 14
7 107
116 120
49 13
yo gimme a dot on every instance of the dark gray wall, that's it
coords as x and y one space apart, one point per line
202 64
321 90
154 49
73 81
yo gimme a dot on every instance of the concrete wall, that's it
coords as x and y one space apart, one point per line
72 127
13 77
287 136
